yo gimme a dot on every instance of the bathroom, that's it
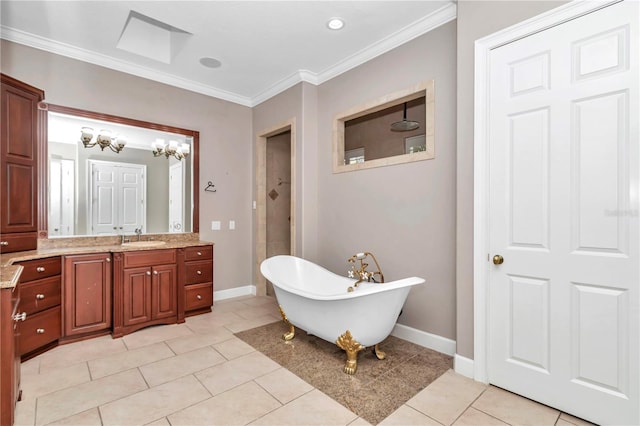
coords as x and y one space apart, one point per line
416 217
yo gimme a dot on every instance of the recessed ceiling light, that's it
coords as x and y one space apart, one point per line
210 62
335 24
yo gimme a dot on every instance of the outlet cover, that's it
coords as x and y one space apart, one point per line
215 225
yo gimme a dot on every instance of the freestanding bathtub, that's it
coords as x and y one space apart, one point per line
318 301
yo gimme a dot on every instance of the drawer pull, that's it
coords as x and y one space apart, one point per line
40 330
199 253
155 272
198 297
148 272
199 272
20 317
108 259
39 296
4 243
40 269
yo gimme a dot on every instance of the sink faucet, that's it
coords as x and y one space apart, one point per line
362 274
138 231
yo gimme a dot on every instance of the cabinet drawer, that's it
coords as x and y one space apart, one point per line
22 241
198 296
198 272
136 259
198 253
39 329
40 268
36 296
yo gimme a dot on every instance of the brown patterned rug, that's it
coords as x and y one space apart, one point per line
377 389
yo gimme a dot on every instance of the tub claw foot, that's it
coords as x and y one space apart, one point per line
378 353
347 343
292 330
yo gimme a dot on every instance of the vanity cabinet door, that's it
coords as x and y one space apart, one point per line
9 354
163 289
87 293
136 303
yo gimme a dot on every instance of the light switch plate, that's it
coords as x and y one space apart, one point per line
215 225
232 225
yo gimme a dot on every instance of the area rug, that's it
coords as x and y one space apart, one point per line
377 389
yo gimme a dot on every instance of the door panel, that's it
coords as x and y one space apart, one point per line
564 158
164 291
137 296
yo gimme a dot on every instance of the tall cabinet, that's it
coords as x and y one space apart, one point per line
18 165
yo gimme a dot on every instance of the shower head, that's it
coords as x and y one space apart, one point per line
404 125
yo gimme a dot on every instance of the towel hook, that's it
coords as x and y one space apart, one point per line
210 187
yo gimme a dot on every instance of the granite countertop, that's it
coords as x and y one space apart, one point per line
10 273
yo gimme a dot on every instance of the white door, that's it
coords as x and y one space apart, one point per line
564 160
117 197
61 197
176 198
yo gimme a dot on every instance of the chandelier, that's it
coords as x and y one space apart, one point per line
171 149
104 139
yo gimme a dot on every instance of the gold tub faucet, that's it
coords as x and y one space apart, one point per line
362 274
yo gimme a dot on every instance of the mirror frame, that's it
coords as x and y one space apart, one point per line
421 89
43 154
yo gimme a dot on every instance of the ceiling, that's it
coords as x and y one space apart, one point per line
257 48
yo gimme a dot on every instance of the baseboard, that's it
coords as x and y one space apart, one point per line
247 290
422 338
463 366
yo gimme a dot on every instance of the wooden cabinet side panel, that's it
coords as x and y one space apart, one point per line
7 358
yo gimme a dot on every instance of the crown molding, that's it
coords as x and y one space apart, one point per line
439 17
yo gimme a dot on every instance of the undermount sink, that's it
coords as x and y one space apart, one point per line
144 243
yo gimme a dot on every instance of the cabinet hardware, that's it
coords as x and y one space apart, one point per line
40 330
4 243
108 259
155 272
20 317
148 272
199 253
40 269
198 297
39 296
199 272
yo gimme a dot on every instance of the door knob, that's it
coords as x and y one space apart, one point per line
498 260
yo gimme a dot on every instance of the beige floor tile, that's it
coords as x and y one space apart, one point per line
231 305
359 422
160 422
313 408
252 312
154 403
447 397
563 422
71 401
86 418
86 350
284 385
514 409
181 365
230 374
200 340
131 359
233 348
25 413
155 334
35 385
238 406
31 366
473 417
207 323
575 420
261 301
247 324
406 416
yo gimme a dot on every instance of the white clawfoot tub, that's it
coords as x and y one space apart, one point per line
317 301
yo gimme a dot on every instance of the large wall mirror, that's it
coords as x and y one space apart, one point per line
110 175
397 128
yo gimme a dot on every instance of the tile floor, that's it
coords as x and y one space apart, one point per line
199 373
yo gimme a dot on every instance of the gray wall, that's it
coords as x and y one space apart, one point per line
225 138
476 19
404 214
